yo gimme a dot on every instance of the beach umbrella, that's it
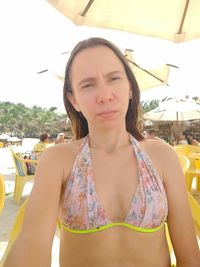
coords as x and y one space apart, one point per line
175 110
13 139
4 136
146 78
174 20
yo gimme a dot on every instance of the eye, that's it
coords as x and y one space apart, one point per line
87 85
115 78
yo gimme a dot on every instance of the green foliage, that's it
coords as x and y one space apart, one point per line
149 105
19 120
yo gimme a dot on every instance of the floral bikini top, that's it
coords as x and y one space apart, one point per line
83 212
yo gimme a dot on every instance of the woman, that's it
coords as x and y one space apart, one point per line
192 141
42 144
60 139
182 139
111 188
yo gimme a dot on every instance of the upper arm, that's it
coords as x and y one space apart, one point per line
180 220
43 203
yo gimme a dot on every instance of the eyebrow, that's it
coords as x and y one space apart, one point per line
92 79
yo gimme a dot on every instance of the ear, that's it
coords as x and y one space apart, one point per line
130 91
72 100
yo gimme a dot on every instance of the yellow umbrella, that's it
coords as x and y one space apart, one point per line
175 20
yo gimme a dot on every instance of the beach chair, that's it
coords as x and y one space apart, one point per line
193 173
185 163
182 150
195 208
15 231
194 205
22 174
17 226
193 149
2 193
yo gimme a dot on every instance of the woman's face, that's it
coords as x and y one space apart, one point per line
101 90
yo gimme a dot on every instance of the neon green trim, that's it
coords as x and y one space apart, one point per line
138 229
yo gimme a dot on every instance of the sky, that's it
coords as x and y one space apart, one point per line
34 34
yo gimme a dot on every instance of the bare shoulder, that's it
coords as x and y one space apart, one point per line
60 157
162 155
155 145
64 149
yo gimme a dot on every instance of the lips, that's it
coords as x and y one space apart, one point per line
106 114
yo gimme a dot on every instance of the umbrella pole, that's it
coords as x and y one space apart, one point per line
177 126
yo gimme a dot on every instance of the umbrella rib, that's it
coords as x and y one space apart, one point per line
42 71
87 8
147 71
172 65
183 17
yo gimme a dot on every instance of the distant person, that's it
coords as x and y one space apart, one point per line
151 134
182 139
42 144
192 141
60 139
145 134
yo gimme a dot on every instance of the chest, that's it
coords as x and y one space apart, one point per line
115 181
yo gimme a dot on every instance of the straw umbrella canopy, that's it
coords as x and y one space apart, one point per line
174 110
150 78
168 19
4 136
146 78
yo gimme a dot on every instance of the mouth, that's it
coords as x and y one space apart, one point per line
107 114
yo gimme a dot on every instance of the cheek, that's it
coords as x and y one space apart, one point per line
86 103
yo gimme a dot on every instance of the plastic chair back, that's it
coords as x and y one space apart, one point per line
15 231
22 167
2 193
185 162
17 226
193 149
195 208
182 150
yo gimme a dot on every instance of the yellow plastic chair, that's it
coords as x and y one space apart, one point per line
22 175
1 144
192 173
15 231
185 163
194 205
193 149
2 193
182 150
195 208
186 149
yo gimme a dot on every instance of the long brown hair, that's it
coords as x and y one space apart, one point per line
78 122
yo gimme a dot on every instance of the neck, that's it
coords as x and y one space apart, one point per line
109 141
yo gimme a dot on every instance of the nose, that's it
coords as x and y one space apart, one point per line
105 94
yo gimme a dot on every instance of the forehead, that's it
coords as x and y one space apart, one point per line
92 60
